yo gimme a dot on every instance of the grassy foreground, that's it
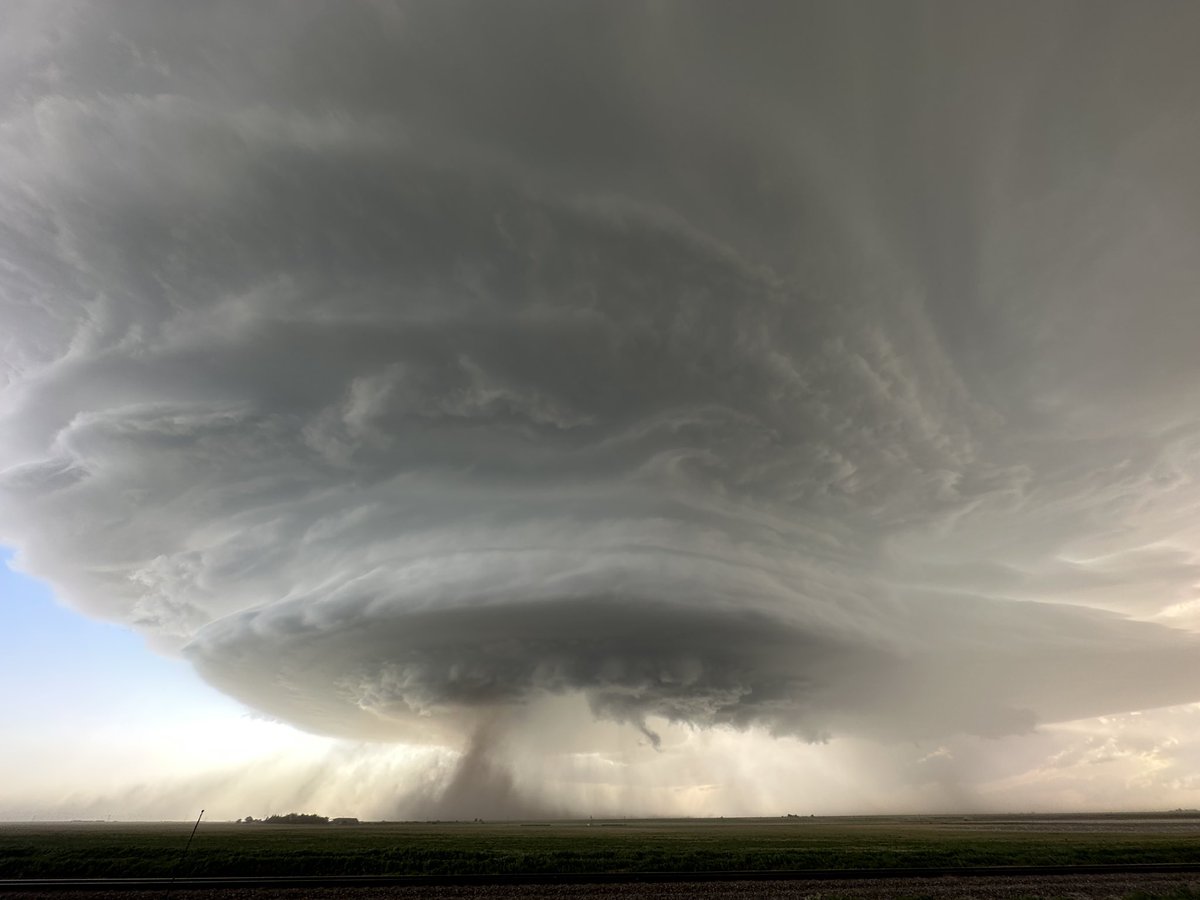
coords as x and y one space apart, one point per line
128 850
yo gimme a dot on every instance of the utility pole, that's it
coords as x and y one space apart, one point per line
183 855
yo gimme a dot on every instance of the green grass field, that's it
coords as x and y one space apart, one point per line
128 850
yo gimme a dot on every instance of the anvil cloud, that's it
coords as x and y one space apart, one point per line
822 368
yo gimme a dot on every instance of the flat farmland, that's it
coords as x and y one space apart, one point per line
118 850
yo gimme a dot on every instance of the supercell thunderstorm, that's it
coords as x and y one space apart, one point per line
790 369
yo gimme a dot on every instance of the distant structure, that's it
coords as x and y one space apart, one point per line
343 820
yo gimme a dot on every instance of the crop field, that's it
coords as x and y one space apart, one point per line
702 845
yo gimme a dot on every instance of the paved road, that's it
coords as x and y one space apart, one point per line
139 885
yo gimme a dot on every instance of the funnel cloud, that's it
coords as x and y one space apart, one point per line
819 369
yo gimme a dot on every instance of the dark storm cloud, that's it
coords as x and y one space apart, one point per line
379 673
817 368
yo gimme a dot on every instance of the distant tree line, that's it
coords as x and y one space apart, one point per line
291 819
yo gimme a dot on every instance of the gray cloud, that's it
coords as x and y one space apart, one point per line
828 369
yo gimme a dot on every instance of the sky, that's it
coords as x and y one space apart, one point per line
416 410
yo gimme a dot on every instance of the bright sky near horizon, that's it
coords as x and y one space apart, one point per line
465 409
92 717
